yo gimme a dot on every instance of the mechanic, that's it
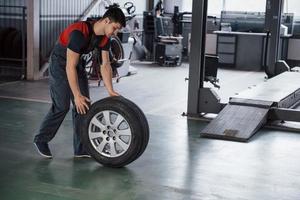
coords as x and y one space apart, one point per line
67 75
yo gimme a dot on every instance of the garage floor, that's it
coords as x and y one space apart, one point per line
177 163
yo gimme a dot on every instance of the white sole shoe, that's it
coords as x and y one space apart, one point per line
45 156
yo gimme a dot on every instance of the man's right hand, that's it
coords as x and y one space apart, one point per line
113 93
82 104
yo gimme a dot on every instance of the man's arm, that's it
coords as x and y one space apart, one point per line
106 73
81 102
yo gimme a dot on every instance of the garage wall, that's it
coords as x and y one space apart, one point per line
169 5
55 15
12 38
12 2
11 17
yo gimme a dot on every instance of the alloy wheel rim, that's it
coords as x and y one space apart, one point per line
109 133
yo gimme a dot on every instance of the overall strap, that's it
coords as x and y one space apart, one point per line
104 39
90 27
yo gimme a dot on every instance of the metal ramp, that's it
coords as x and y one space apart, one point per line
247 112
237 122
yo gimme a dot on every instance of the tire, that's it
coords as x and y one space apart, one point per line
145 125
121 140
17 45
7 44
116 51
3 38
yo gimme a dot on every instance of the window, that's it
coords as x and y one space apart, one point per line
245 5
214 6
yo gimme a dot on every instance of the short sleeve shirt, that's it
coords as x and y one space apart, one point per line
79 38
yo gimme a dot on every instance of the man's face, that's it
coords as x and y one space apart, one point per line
112 28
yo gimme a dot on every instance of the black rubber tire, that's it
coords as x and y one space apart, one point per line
116 51
3 38
138 125
7 44
17 45
145 125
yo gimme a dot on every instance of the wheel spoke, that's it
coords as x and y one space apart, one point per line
118 121
106 115
112 148
125 132
122 144
103 132
97 123
101 146
94 135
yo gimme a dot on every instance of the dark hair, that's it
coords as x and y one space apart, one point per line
115 14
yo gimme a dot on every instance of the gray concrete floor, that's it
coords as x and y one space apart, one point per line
157 90
177 163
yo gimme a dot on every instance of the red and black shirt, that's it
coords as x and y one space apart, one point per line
80 38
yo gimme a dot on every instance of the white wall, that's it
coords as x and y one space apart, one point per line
292 6
214 6
245 5
169 5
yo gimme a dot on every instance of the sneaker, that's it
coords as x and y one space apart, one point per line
43 149
82 155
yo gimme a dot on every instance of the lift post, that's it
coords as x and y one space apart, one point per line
274 65
200 99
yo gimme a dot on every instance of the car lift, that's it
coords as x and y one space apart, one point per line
247 112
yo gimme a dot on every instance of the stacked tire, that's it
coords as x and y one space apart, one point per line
115 131
11 43
116 52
